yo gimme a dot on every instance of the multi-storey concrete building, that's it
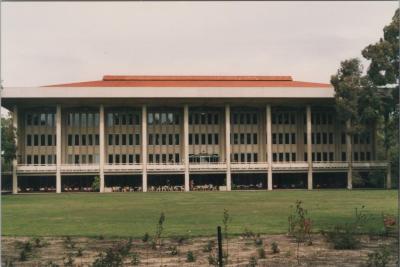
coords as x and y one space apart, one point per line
185 132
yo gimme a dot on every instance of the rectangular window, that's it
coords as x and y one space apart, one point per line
255 139
170 139
280 138
124 159
43 119
83 159
35 140
130 158
287 157
29 140
242 157
150 118
343 138
355 156
42 159
130 139
137 139
83 140
242 138
123 122
196 118
129 119
190 139
287 141
293 138
177 157
83 120
28 119
235 138
163 139
274 158
248 138
281 157
176 119
156 139
293 156
77 140
42 140
368 156
255 121
255 157
90 161
292 118
35 120
248 118
116 139
35 159
324 138
117 159
76 159
203 139
110 139
151 158
209 139
318 138
196 139
274 138
151 142
49 140
330 138
319 158
163 118
331 157
305 157
344 156
248 155
29 159
216 119
362 156
209 118
97 139
70 140
90 139
123 137
325 156
216 139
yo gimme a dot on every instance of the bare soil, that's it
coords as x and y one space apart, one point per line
240 249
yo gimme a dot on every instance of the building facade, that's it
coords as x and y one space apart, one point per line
234 132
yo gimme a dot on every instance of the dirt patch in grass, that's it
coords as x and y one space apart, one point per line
84 251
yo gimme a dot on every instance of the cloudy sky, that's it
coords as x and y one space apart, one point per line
47 43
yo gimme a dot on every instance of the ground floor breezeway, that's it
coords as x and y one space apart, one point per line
197 182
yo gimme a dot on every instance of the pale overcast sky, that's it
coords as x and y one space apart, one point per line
47 43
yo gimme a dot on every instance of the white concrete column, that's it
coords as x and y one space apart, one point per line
269 146
228 147
309 149
144 148
102 149
349 156
186 145
15 161
58 149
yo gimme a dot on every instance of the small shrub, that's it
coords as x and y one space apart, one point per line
209 246
146 237
252 262
347 235
261 253
69 243
79 252
135 259
96 184
275 248
190 256
174 250
379 258
38 242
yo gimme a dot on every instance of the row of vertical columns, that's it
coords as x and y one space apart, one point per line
186 145
144 148
102 150
269 146
58 149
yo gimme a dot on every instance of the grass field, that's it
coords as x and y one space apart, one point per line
197 213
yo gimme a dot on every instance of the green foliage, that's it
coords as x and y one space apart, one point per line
190 257
261 253
96 184
8 135
114 256
226 219
275 248
157 241
379 258
347 235
299 224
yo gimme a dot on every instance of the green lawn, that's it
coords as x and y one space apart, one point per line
133 214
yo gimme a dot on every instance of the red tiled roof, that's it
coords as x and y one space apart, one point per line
193 81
